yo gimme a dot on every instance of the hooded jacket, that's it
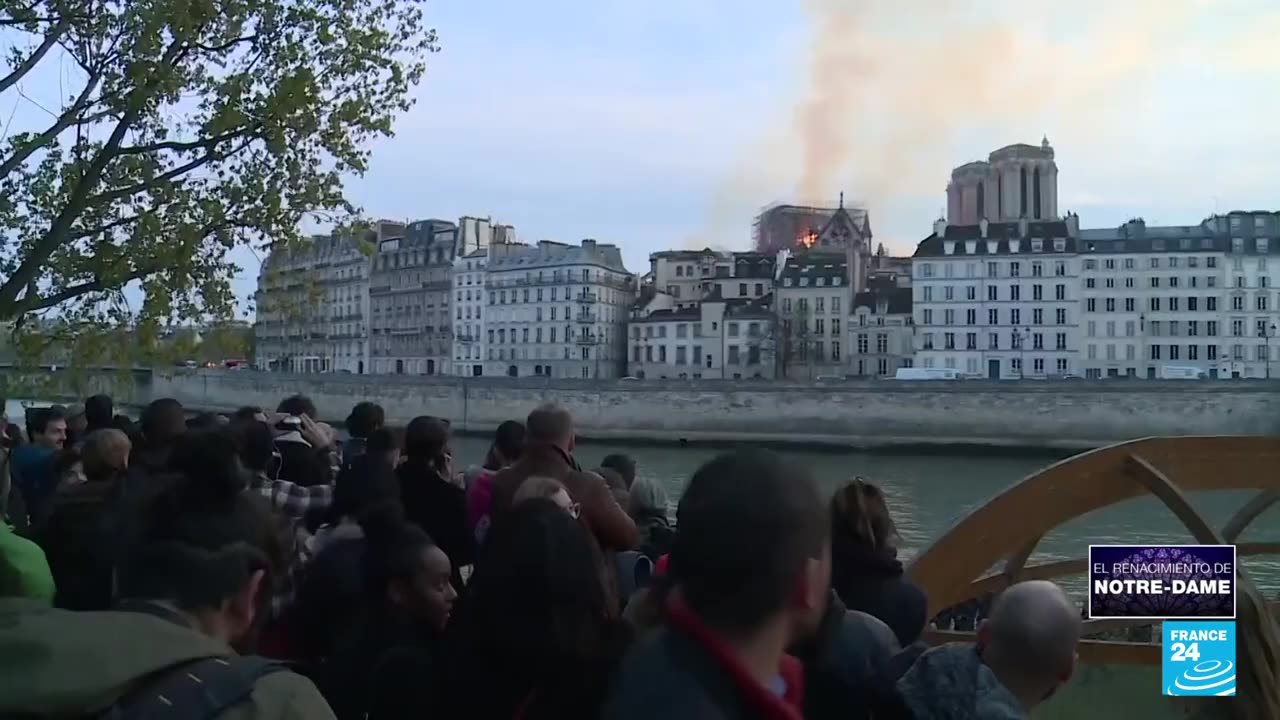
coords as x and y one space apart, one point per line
950 682
843 659
58 663
872 582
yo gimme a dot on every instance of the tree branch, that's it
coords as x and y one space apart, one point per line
114 195
193 145
68 117
227 45
34 303
50 39
79 197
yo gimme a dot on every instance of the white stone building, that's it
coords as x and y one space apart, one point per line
813 301
1250 301
409 293
469 301
718 338
558 310
1153 297
999 300
881 329
312 308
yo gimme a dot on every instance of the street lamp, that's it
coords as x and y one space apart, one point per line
1266 333
1142 330
1020 339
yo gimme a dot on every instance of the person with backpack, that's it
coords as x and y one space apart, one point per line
191 584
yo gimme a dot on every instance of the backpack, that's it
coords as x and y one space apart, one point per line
198 690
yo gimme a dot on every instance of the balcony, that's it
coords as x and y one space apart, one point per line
586 298
586 318
586 339
465 339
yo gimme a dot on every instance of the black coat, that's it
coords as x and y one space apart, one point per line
383 669
440 509
872 582
844 662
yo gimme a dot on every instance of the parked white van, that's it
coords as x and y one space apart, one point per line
927 374
1174 372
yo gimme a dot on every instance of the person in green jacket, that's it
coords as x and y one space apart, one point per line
24 570
193 579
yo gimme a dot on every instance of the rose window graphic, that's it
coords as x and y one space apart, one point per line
1211 677
1165 604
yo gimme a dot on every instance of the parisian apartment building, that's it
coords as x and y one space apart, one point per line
312 305
1032 295
703 314
556 310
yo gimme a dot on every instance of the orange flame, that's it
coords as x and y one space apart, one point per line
808 240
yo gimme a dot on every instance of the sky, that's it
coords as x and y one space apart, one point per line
670 123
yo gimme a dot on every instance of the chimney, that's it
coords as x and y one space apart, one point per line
1024 225
982 227
939 227
589 243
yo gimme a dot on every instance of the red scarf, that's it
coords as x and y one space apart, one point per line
758 696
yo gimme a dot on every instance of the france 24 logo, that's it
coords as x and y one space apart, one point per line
1199 657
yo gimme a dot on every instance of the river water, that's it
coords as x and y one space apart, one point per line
927 493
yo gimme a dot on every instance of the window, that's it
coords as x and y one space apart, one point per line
1173 352
993 269
971 316
862 343
1037 268
928 341
1015 269
1062 365
733 328
1111 304
1153 304
1173 282
1110 263
928 293
1061 316
1211 352
742 289
949 317
1037 316
971 341
1211 328
1091 305
1111 328
1173 304
1038 366
971 293
1211 281
1155 282
927 316
1060 341
1060 292
1237 302
1060 267
1090 264
1092 328
1128 282
950 341
992 291
1237 328
1261 302
1155 263
681 355
835 304
993 317
949 293
993 341
1015 292
1211 262
1155 352
1037 341
1015 316
882 343
1037 292
1089 283
835 351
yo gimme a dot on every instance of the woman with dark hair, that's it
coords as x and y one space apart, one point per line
383 666
431 500
365 418
533 634
865 570
508 444
328 565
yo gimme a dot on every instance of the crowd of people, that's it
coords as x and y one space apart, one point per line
257 565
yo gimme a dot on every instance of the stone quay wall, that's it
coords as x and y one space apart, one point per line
1066 415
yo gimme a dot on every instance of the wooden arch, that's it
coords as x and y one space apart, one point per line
1010 525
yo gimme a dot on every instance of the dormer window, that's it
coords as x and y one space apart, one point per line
804 282
786 282
948 247
1059 244
993 247
970 246
1015 246
836 280
1037 246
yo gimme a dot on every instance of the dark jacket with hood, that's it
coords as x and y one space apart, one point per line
948 682
871 581
300 462
843 661
80 538
685 671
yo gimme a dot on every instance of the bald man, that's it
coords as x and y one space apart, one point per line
1025 652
